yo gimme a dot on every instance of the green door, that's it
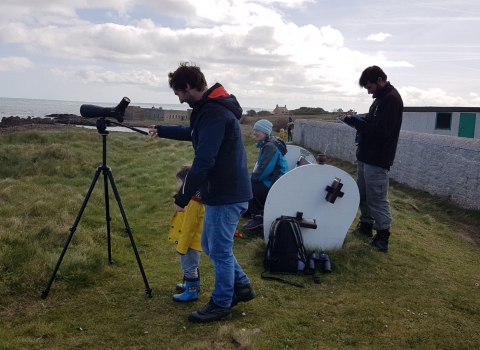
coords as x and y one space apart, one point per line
466 127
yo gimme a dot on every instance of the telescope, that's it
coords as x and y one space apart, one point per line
92 111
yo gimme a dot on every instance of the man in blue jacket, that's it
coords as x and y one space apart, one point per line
219 170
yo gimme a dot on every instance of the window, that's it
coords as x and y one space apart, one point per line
444 121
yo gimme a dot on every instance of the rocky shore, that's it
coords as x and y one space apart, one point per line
52 121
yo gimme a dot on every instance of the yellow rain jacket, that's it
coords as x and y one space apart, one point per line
186 227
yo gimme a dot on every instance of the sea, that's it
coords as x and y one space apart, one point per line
25 107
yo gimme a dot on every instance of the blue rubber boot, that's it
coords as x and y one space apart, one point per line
191 291
181 286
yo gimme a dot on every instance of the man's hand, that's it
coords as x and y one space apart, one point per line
177 208
152 131
346 116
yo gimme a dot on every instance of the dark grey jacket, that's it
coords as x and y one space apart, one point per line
380 133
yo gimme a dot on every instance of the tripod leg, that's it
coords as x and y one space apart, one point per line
129 232
72 231
107 211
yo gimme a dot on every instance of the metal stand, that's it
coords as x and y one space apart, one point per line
107 175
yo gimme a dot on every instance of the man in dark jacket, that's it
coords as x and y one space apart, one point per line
220 171
377 138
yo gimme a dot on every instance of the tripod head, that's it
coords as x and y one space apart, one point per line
102 124
118 112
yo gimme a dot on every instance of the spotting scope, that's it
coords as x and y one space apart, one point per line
92 111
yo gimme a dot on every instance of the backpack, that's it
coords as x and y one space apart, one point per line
285 253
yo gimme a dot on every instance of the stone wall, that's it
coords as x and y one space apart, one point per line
446 166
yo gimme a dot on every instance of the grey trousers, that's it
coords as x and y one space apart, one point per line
373 183
189 263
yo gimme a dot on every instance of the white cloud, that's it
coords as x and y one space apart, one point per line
473 94
413 96
282 57
257 48
296 3
97 75
15 64
378 37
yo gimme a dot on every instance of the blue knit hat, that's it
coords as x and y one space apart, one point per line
264 126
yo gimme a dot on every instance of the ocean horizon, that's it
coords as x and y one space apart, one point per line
26 107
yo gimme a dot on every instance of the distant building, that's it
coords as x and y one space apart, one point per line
452 121
281 110
176 115
160 114
133 113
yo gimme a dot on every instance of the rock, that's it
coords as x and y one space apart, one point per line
71 119
16 121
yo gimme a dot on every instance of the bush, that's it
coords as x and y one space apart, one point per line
308 111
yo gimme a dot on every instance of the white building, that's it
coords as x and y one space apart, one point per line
452 121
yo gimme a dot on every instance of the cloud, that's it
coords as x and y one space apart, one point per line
15 64
258 49
272 56
474 98
286 3
413 96
378 37
98 76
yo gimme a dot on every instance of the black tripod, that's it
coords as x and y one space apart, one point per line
102 124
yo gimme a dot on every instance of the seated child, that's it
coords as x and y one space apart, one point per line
186 230
271 165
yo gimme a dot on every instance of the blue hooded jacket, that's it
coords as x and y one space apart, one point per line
219 167
271 163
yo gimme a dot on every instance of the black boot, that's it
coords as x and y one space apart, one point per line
211 312
364 229
380 241
242 293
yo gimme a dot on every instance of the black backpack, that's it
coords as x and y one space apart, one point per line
285 253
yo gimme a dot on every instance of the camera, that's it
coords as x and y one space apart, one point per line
322 260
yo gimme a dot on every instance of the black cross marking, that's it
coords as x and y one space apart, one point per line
334 191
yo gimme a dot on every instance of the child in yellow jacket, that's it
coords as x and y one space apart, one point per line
186 230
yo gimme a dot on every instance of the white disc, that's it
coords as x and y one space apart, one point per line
303 189
294 153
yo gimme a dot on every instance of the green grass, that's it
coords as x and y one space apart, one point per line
423 294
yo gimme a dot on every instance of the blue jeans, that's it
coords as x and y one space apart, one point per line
219 225
189 263
373 184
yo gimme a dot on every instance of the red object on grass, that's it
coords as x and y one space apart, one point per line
238 234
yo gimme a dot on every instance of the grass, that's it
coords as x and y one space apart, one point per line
423 294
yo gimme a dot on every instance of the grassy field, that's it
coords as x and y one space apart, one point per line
423 294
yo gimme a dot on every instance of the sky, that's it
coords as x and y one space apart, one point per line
294 53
